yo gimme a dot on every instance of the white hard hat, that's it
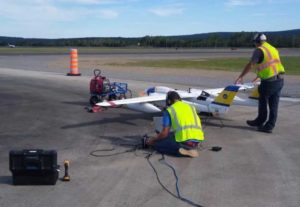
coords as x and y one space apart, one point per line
259 37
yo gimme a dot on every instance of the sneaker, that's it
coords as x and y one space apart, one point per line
253 123
189 153
264 129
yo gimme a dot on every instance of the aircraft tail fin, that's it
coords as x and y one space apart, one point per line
254 93
225 98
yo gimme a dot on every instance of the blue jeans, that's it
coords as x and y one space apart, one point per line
269 96
169 146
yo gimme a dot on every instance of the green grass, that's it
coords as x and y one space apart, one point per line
33 50
54 50
291 64
65 50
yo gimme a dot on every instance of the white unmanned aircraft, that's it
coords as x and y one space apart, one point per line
214 101
11 46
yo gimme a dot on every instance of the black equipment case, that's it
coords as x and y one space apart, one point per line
34 167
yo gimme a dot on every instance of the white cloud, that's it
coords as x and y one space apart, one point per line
37 10
91 2
43 10
234 3
259 14
42 18
167 10
108 14
237 3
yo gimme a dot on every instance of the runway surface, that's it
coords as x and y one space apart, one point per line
43 108
189 78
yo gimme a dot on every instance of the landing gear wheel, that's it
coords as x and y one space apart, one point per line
128 94
94 100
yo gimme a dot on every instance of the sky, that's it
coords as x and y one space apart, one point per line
138 18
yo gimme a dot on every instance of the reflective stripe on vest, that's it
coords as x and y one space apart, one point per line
271 64
180 128
192 128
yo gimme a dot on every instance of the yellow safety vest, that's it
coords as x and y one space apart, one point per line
271 64
185 122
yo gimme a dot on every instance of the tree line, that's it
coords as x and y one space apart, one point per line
290 38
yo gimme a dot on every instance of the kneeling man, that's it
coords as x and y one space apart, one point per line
185 124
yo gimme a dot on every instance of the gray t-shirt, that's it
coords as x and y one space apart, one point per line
257 56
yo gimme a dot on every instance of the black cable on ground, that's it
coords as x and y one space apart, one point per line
94 153
157 177
178 196
134 148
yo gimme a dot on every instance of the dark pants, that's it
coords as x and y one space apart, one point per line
269 92
169 146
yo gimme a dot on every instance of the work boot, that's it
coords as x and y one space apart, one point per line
264 129
253 123
190 153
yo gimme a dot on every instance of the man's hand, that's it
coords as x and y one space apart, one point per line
162 135
256 80
239 80
150 141
246 70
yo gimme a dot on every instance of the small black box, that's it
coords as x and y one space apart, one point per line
33 167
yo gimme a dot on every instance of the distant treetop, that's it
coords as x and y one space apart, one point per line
288 38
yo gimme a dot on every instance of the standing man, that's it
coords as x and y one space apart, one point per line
266 61
185 123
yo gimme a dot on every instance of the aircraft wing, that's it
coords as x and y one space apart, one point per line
143 99
158 94
154 97
217 91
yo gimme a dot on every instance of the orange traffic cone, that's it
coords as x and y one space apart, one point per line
74 63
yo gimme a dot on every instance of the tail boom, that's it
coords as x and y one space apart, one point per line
225 98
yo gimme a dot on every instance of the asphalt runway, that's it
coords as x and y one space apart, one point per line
188 78
42 108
